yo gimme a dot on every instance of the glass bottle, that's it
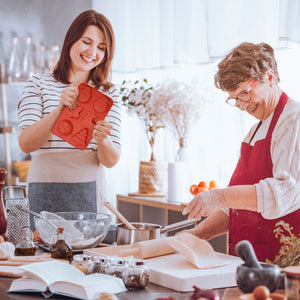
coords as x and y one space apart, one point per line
26 246
60 248
2 61
3 217
14 66
27 65
54 56
136 276
41 60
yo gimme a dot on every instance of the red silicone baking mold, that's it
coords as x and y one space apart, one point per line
76 126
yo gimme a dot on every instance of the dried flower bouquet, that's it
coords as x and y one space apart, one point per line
181 105
138 98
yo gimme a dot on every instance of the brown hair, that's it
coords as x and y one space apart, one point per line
101 73
244 62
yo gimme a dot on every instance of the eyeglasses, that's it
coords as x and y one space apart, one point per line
243 96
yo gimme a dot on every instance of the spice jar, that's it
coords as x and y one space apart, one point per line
116 266
136 276
100 263
292 282
26 246
83 262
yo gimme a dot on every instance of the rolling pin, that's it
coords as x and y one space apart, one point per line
144 249
147 249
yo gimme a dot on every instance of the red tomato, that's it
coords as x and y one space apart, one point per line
193 189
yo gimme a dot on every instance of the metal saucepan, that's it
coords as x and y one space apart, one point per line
146 231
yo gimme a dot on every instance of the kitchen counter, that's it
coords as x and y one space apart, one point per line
152 292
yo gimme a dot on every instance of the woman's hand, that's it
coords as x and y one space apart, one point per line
101 131
68 98
205 203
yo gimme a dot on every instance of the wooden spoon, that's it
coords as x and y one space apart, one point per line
119 215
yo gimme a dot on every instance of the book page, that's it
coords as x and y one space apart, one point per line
90 285
52 271
27 284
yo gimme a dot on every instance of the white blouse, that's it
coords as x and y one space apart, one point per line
280 195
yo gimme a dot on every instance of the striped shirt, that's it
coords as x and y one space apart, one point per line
41 95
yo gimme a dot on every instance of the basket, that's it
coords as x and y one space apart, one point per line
153 177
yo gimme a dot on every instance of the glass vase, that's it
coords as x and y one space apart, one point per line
181 154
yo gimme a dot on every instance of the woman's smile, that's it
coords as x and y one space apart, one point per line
89 50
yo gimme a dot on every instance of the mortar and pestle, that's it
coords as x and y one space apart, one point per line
253 273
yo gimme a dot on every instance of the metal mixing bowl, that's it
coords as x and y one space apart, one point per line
82 230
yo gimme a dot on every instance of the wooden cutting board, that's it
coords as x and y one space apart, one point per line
175 272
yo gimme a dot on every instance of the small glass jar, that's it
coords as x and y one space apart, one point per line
26 246
116 266
83 262
60 248
100 264
292 282
136 276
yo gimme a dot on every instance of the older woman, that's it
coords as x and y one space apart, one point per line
265 186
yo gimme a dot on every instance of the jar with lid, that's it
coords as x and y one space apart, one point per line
60 248
83 262
26 246
292 282
136 276
116 266
100 264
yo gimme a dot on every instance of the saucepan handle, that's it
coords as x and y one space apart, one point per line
178 225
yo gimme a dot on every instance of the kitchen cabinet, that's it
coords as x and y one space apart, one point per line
159 210
9 97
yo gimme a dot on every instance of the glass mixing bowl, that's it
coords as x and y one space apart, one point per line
82 230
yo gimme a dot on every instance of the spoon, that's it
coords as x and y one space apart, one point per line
119 215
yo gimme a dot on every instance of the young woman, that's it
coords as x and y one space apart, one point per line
61 177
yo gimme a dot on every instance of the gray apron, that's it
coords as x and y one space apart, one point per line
66 181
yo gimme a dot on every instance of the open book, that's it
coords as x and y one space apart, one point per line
56 277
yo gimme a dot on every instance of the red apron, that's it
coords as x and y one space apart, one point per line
255 164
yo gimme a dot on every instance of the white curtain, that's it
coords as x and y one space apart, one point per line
185 39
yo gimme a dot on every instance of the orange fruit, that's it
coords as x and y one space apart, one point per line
193 189
203 184
213 184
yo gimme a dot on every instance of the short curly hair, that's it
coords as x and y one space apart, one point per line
244 62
